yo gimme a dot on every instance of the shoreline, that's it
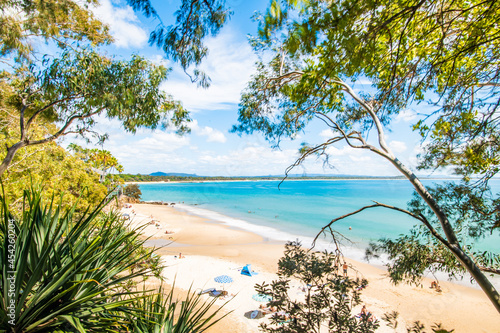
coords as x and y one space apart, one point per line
203 240
277 179
354 249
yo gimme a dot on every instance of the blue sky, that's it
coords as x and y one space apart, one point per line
210 149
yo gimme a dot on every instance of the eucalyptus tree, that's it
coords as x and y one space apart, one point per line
429 55
64 22
75 88
80 83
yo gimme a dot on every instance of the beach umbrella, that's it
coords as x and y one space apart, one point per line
255 314
262 298
223 279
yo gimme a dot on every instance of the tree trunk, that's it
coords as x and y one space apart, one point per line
11 152
453 243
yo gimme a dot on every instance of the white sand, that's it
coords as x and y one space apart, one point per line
212 249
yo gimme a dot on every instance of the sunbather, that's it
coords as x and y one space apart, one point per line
366 314
267 310
436 286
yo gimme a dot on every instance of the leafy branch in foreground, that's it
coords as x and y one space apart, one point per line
163 313
475 216
77 87
328 297
80 85
183 42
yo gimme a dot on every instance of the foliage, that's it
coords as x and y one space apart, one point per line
183 42
329 297
473 211
98 158
62 271
64 22
81 85
474 215
51 165
102 162
66 273
162 313
409 50
133 191
312 53
59 21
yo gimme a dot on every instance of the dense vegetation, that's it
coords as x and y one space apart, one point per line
132 191
68 272
149 178
329 297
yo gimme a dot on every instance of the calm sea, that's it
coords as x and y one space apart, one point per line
299 209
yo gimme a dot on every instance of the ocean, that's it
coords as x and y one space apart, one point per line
298 209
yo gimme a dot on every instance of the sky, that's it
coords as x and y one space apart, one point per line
210 149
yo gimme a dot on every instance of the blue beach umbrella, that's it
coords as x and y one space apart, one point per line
262 298
223 279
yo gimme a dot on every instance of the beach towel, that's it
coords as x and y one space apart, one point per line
246 270
206 291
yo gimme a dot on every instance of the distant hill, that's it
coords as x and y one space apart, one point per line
280 176
159 173
180 177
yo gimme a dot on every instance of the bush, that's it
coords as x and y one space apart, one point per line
132 191
328 298
68 273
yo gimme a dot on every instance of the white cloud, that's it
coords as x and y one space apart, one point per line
364 81
398 146
161 142
123 24
326 134
229 64
212 134
248 160
405 116
158 59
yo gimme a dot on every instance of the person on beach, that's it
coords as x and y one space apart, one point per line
435 285
267 310
366 314
344 267
364 311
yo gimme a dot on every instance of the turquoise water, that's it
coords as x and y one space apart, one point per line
300 208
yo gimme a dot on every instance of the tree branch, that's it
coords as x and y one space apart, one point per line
39 111
62 132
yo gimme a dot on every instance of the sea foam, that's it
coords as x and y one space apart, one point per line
273 234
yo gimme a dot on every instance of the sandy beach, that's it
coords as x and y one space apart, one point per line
211 248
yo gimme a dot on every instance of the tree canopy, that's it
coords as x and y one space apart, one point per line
79 82
440 58
73 89
132 191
